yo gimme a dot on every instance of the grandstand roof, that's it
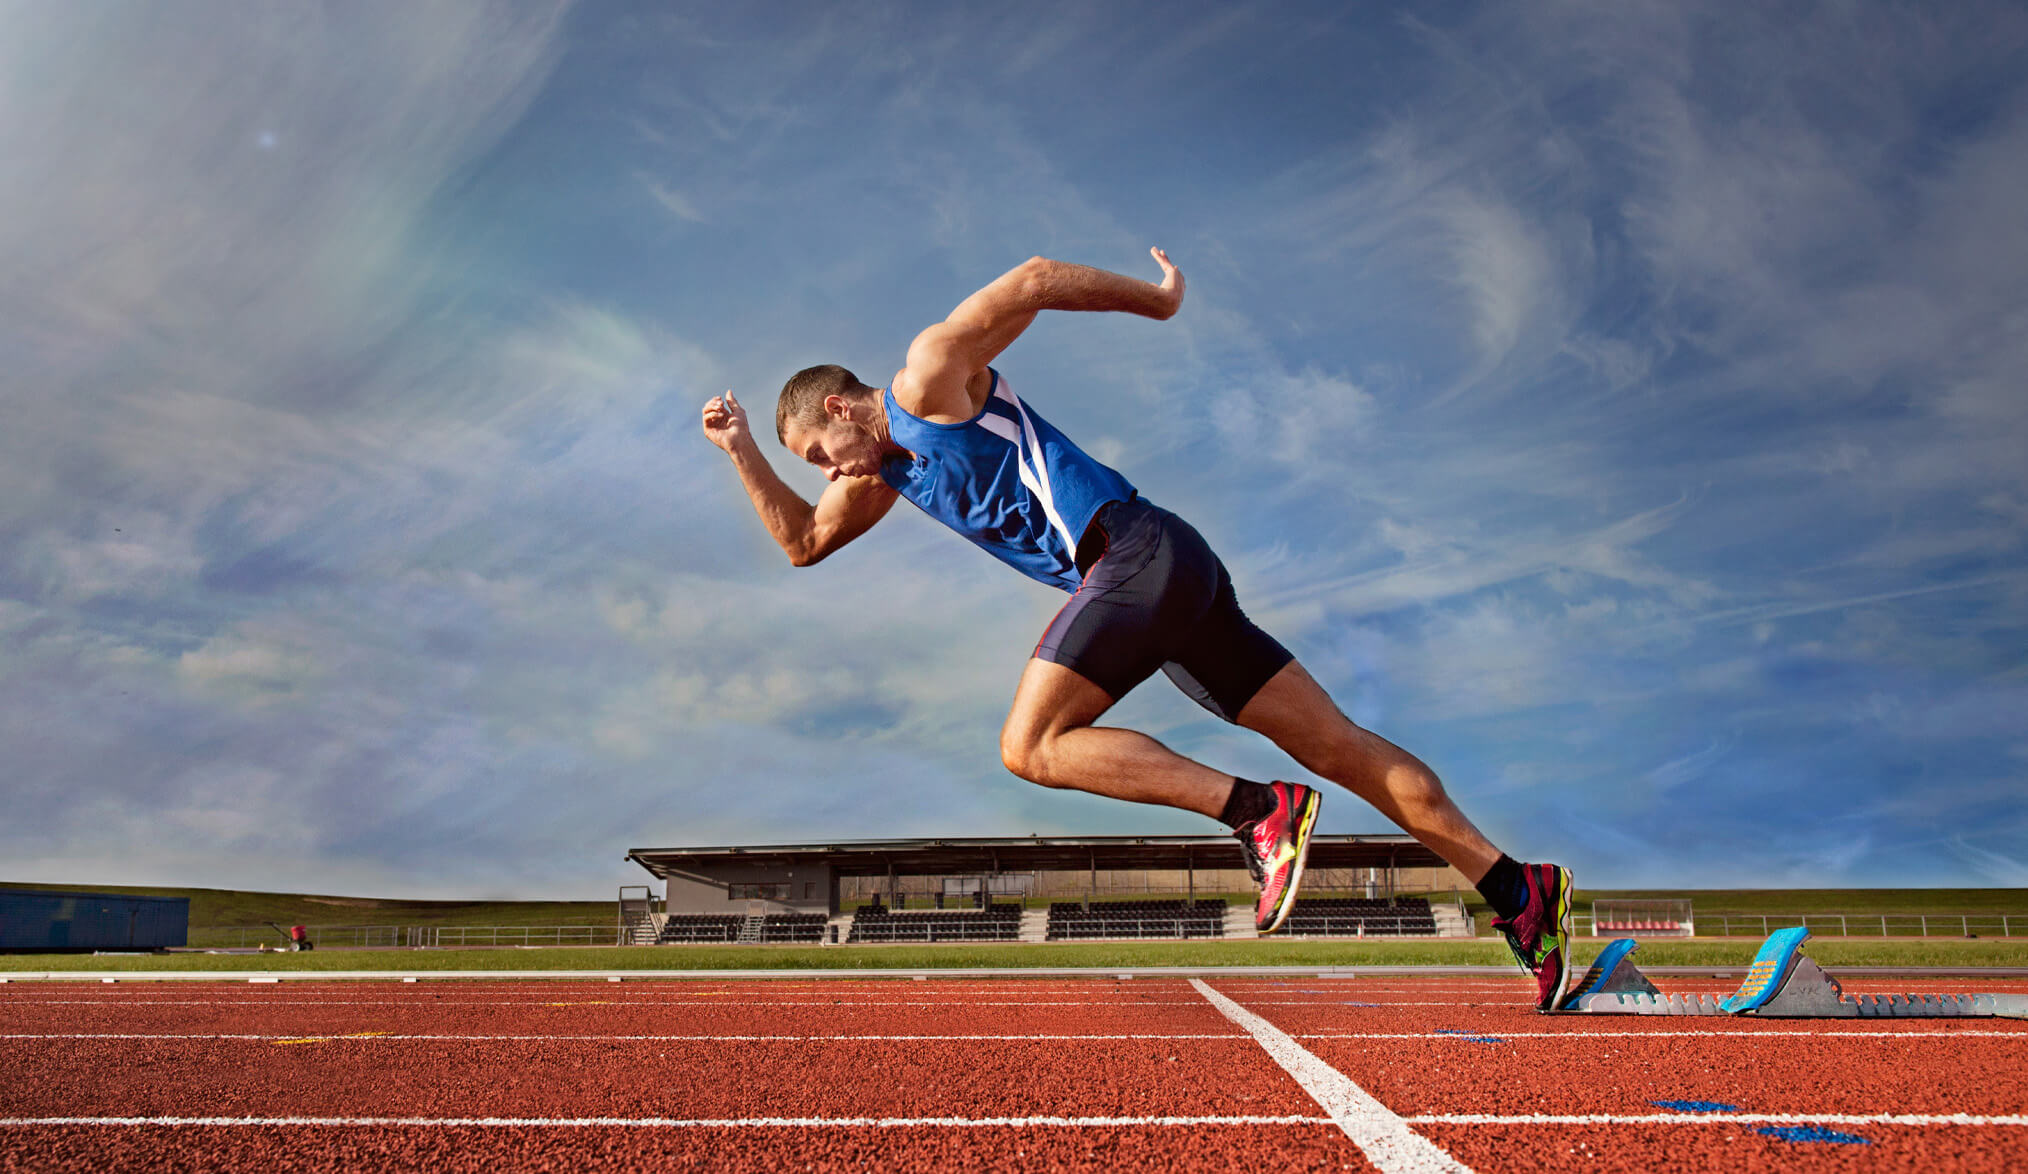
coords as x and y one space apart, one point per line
947 857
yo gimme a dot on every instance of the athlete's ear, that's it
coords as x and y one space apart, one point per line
837 407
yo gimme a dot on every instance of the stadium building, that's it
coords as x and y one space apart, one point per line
1035 888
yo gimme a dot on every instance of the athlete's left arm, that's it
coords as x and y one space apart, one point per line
944 359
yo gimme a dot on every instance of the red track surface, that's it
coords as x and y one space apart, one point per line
1084 1074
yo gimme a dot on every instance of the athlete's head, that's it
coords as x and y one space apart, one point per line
826 416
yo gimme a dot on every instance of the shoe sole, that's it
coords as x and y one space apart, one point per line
1563 926
1304 822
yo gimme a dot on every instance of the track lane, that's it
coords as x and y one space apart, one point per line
982 1079
337 1150
1551 1066
598 1008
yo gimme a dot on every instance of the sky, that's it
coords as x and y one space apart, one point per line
1618 404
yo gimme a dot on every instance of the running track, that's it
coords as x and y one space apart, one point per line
1388 1073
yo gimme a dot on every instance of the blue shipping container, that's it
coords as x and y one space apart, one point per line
40 920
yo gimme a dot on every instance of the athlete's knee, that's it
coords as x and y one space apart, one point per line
1019 752
1026 753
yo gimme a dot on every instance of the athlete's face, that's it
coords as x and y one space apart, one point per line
844 447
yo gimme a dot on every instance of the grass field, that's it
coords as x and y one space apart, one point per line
1738 953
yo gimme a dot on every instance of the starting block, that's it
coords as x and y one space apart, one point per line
1783 984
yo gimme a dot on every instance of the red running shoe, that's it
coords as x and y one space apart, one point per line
1276 846
1539 935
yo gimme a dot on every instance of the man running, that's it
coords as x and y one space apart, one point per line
1147 593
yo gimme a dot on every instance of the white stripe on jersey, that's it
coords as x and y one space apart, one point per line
1030 447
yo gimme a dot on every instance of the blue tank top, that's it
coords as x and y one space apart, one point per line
1006 480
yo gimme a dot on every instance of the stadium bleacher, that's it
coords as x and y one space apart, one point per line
878 923
1176 918
1353 916
807 928
700 927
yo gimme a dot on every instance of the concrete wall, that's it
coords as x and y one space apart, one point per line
805 889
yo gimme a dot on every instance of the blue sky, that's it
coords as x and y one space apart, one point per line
1618 404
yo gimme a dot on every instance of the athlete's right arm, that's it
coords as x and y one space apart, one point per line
847 508
946 359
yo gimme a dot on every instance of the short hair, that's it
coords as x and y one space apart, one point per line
802 398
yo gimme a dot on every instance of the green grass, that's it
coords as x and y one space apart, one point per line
1733 954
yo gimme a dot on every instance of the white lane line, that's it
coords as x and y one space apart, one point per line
1579 1036
426 1004
671 1122
1384 1137
1457 1035
1914 1119
380 1037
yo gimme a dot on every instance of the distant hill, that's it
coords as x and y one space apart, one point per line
233 908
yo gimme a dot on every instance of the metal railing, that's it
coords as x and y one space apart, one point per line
1867 925
1353 926
1097 927
414 936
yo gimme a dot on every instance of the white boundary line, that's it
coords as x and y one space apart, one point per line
668 1122
1475 1035
368 1037
1385 1138
1916 1119
827 1004
1459 1035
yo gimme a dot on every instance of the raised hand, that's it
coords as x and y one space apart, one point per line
1172 279
724 421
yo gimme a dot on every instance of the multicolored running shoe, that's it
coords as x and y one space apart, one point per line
1539 935
1276 846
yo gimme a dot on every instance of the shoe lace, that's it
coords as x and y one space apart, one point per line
1244 834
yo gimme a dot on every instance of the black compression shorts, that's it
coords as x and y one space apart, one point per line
1155 596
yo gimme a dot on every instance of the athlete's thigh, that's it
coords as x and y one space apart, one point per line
1294 712
1049 700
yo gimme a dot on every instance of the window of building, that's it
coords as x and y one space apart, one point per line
757 892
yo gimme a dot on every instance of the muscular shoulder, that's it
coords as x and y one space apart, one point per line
938 401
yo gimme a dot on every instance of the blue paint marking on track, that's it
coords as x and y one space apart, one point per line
1811 1133
1471 1036
1697 1106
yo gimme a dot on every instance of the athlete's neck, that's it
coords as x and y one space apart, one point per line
877 424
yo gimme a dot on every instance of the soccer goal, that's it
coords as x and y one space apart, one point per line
1652 918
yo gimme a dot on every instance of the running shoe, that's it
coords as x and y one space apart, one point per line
1276 846
1539 935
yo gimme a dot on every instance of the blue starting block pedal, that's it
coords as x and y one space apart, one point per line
1615 986
1772 967
1783 984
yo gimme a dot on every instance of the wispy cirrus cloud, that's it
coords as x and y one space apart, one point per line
1614 403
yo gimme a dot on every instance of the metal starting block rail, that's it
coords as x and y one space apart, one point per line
1783 984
